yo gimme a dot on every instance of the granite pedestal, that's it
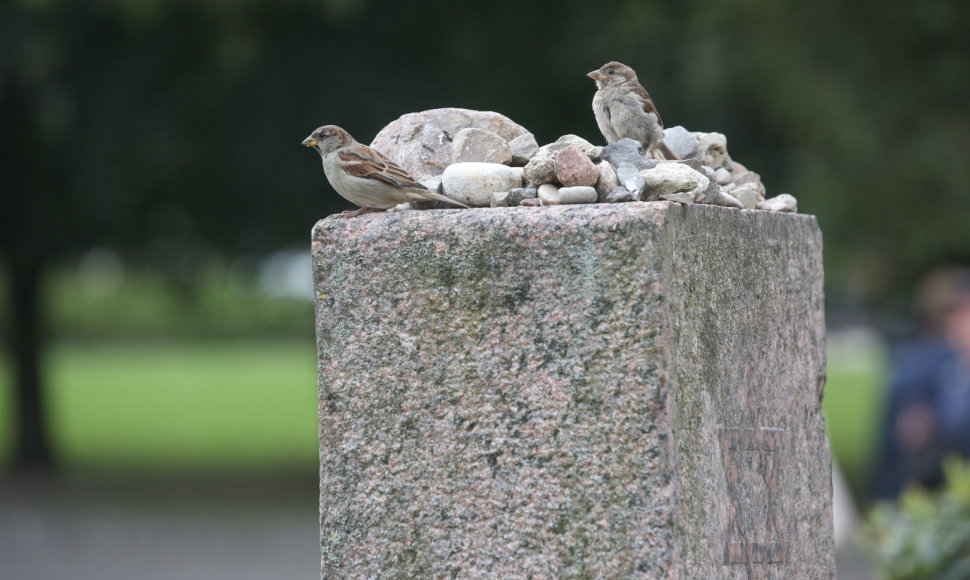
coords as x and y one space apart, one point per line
592 391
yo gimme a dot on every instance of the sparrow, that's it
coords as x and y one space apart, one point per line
623 108
363 176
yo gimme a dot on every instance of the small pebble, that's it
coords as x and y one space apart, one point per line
548 194
500 199
520 193
577 194
530 202
619 195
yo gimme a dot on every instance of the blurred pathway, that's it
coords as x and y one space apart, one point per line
208 530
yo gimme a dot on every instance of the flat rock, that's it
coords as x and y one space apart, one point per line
631 179
474 183
625 390
574 168
478 145
421 142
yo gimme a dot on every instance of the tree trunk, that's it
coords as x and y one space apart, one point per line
32 452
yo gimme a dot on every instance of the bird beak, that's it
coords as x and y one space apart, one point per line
596 75
309 142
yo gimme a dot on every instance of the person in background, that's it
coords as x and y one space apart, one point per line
928 416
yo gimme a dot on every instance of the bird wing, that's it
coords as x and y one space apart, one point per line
371 164
648 106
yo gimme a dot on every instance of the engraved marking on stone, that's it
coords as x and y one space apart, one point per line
741 545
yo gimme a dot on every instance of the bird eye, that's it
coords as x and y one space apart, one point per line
609 72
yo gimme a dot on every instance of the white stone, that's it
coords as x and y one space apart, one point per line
500 199
548 194
607 181
675 182
712 149
727 200
723 176
577 194
474 183
781 202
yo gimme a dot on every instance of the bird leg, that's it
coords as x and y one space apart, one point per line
357 212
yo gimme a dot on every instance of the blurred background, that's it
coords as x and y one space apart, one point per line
158 377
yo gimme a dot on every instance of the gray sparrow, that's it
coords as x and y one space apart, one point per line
363 176
623 108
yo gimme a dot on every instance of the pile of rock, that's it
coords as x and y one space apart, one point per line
484 159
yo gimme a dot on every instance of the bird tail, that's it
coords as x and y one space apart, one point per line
428 194
666 152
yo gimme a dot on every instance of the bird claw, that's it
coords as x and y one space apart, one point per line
356 212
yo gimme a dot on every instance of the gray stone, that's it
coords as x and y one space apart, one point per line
548 194
680 141
748 194
607 181
574 168
523 148
421 142
631 179
626 151
781 202
474 183
620 195
712 149
519 193
581 391
478 145
723 176
500 199
676 182
577 194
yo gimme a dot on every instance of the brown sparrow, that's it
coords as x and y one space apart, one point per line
624 109
363 176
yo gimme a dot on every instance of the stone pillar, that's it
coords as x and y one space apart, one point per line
589 391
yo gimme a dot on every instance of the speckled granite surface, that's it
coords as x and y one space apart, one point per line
592 391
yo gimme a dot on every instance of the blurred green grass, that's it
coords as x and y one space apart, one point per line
251 405
854 405
192 406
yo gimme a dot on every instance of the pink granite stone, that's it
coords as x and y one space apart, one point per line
598 391
574 168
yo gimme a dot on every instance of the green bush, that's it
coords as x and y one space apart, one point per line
927 534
